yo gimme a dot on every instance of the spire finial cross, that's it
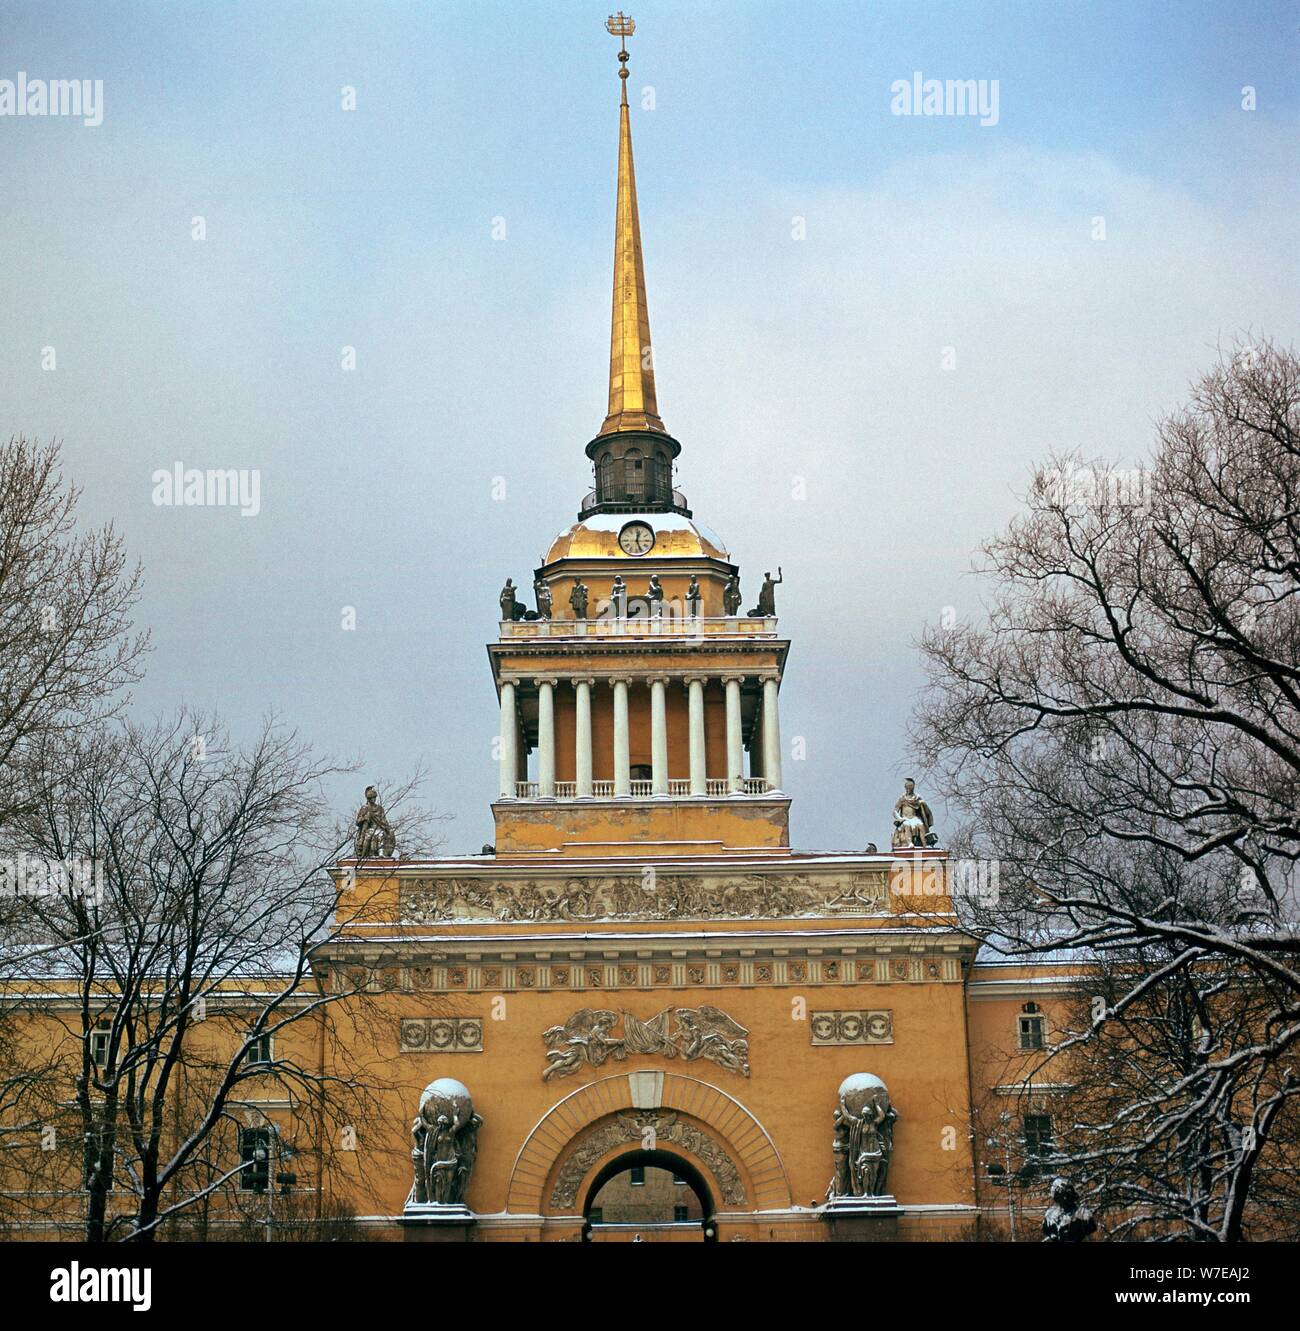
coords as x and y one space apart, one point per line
621 26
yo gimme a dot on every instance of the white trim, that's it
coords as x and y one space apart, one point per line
1030 986
1033 1088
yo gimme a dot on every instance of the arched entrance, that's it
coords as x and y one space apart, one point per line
674 1202
613 1118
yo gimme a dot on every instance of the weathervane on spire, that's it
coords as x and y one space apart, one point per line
621 26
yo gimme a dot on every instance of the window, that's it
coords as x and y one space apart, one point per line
681 1213
255 1148
99 1039
1038 1134
1032 1028
596 1216
605 478
634 474
260 1050
638 1176
679 1180
659 477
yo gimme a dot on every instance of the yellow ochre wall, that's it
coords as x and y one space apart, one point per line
791 1090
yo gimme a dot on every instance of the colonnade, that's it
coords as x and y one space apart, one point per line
622 786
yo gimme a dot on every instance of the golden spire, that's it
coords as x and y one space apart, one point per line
632 404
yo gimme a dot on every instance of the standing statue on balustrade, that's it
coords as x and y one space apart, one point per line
731 596
374 835
542 590
766 606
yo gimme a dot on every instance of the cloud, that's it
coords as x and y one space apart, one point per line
779 361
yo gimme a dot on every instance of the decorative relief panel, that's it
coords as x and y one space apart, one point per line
686 1033
668 897
644 1126
837 1028
441 1035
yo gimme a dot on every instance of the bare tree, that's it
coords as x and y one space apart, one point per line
1122 738
1166 1148
67 654
186 955
66 647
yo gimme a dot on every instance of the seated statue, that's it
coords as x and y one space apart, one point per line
913 820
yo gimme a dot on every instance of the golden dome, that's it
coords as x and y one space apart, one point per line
597 538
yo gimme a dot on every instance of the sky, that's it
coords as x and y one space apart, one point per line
868 326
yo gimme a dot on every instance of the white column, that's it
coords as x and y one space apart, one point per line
545 738
771 735
509 740
658 737
582 731
695 712
735 754
622 752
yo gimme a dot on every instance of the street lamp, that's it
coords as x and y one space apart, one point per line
281 1153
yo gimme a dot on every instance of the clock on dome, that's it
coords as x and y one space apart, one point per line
637 538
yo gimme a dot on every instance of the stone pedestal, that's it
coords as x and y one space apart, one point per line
431 1222
862 1219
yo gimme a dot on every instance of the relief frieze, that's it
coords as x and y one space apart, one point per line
654 896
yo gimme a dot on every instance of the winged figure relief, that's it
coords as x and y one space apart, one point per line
707 1032
689 1033
584 1038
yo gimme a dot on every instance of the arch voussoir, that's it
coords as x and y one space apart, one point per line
732 1136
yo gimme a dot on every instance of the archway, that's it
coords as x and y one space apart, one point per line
717 1132
675 1202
